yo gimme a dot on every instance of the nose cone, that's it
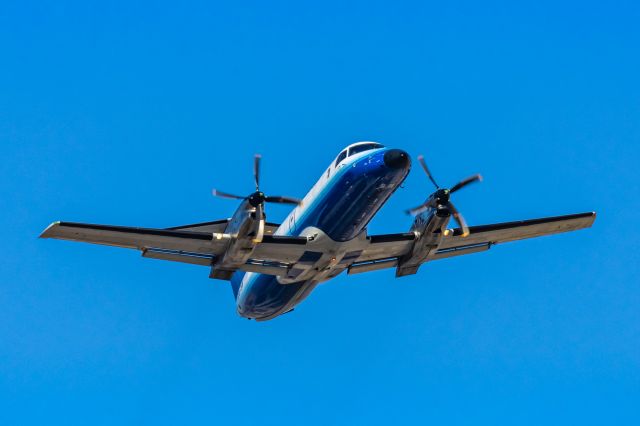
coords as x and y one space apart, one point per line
396 159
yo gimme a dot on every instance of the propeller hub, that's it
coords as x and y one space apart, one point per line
442 195
440 200
256 198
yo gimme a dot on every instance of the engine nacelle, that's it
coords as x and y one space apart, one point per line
429 227
246 229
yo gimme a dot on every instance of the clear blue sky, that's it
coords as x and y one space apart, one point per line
129 114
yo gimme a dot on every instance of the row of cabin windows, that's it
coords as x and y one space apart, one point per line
357 149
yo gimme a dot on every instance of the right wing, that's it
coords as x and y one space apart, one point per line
198 244
219 226
137 238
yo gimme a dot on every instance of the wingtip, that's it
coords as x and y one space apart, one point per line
49 230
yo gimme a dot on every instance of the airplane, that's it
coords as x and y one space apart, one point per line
273 267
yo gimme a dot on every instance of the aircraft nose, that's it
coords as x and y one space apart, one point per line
396 159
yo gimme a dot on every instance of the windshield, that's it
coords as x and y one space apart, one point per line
364 147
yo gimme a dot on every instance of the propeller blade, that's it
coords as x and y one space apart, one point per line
465 182
260 230
283 200
426 169
221 194
414 211
256 170
458 218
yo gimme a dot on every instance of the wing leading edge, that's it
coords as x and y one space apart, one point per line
291 256
386 251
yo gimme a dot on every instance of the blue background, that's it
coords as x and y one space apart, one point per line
129 113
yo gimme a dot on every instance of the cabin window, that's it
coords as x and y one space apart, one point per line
341 157
364 147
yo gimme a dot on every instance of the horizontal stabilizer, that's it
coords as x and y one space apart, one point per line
219 226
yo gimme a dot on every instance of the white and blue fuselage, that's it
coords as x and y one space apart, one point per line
341 204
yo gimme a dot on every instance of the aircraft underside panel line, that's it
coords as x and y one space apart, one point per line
179 256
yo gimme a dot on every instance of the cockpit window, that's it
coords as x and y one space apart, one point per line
341 157
364 147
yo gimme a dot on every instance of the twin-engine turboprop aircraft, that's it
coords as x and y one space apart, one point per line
273 267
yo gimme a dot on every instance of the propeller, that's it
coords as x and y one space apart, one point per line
258 197
257 200
441 198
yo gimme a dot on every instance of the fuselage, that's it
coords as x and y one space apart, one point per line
341 204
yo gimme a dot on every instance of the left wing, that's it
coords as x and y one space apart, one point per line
387 251
519 230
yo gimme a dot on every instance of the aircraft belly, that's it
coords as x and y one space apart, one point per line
342 210
262 297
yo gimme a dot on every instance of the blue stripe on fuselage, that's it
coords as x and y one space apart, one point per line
341 209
